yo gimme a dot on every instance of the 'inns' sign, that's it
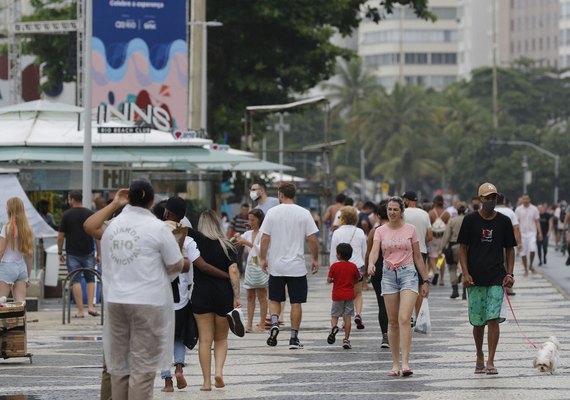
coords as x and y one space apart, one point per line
152 115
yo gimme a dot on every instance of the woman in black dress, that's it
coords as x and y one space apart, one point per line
213 298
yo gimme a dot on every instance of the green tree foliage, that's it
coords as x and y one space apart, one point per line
55 52
269 51
425 140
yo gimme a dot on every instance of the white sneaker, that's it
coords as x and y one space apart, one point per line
235 321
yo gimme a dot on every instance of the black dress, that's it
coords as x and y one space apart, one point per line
211 294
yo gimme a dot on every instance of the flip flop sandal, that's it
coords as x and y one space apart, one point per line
407 372
491 371
331 338
393 373
480 369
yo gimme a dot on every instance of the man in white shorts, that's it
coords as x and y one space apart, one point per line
529 222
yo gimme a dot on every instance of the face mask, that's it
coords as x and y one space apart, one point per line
253 195
488 206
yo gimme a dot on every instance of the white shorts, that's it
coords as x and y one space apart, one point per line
528 244
433 247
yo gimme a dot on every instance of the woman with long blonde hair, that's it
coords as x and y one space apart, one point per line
16 251
213 299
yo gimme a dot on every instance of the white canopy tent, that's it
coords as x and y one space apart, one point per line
11 188
45 131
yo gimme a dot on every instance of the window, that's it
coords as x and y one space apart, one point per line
381 59
445 12
444 58
540 44
416 80
411 36
416 58
441 81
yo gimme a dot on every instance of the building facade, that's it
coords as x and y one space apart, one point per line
403 48
534 29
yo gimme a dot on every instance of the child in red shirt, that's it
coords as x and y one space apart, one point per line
343 275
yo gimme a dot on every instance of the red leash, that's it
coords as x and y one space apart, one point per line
515 318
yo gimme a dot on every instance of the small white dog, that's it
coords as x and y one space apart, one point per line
547 357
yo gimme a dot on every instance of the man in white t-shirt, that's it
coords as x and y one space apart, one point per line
420 219
529 222
502 208
282 253
140 257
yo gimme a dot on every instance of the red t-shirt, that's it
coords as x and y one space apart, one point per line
344 274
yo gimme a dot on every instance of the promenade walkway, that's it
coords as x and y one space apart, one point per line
67 358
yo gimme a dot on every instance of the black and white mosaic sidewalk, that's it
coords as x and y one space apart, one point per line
67 359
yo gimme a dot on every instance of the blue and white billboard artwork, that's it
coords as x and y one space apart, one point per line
140 56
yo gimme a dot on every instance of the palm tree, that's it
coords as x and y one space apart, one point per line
401 127
350 88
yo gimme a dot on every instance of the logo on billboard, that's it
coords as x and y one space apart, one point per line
126 24
150 25
152 115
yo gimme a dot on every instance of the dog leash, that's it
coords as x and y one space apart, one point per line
515 318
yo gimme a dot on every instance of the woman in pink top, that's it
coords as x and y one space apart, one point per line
400 249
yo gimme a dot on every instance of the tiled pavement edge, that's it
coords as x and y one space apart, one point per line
67 358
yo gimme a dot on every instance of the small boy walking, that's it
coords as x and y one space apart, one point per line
343 275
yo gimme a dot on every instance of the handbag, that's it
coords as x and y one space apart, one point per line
254 277
190 329
448 253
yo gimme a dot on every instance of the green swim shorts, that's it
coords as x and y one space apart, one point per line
484 304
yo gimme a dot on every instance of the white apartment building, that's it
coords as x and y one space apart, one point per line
564 35
534 29
407 49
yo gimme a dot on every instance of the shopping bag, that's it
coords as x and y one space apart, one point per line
423 322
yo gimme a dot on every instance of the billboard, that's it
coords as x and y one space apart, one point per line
140 56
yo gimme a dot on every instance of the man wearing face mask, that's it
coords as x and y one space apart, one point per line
258 193
487 258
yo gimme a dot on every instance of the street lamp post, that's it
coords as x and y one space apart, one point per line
204 78
87 184
556 158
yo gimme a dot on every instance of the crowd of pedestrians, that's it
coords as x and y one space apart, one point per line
169 287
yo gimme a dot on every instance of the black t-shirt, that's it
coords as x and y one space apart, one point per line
77 242
485 240
213 253
544 219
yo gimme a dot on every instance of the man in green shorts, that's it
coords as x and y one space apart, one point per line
483 236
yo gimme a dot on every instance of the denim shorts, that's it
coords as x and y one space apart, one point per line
404 277
11 272
342 308
75 262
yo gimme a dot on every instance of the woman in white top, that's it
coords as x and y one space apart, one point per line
347 232
255 280
16 251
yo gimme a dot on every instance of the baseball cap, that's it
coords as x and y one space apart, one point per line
486 189
410 195
177 206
